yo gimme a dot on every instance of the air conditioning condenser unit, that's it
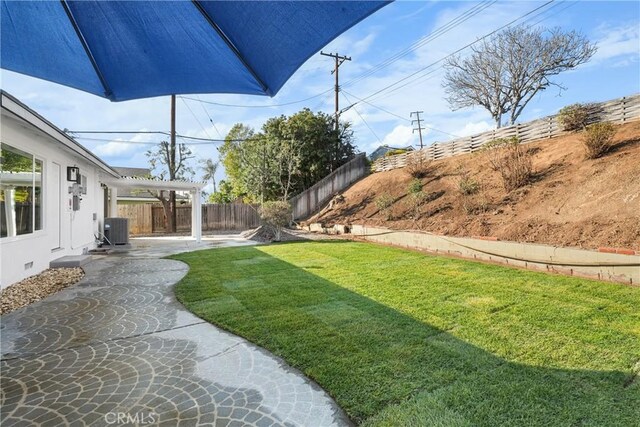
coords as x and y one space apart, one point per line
116 230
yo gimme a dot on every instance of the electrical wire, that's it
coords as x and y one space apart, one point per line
159 132
257 106
458 20
205 142
398 116
431 73
194 116
384 89
360 115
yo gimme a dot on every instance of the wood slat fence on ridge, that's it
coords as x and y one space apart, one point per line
618 110
312 199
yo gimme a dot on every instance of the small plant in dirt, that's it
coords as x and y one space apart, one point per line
511 160
417 165
598 139
415 186
476 203
417 197
575 117
469 188
467 185
383 203
276 215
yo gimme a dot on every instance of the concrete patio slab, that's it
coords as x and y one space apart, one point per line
70 261
118 344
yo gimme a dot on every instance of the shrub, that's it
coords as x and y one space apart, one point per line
467 185
416 198
276 215
383 203
574 117
415 186
598 139
395 152
417 165
511 161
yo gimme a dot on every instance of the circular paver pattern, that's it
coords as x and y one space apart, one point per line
118 349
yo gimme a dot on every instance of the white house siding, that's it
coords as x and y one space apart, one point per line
29 254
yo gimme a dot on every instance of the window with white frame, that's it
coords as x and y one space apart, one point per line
20 192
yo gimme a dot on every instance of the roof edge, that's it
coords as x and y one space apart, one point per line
52 130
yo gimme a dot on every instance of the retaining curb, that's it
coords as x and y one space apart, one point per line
611 264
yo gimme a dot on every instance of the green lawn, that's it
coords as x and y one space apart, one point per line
400 338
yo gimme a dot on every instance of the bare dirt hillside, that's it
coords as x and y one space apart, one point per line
571 201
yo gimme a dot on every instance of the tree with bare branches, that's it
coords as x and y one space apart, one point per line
164 165
503 73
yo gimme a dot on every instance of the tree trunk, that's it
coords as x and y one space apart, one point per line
166 208
174 217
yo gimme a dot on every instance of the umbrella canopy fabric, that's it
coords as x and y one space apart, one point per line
125 50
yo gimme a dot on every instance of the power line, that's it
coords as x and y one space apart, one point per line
360 115
194 116
210 119
430 73
398 116
123 132
86 138
439 68
458 20
455 52
258 106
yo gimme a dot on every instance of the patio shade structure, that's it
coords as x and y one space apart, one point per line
136 183
124 50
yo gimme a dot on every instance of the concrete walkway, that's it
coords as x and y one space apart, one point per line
118 349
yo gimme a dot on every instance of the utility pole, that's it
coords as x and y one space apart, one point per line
417 120
172 165
339 60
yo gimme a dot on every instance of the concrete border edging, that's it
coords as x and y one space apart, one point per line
614 267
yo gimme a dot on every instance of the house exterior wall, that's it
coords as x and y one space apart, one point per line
70 232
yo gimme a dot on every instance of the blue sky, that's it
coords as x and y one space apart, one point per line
613 72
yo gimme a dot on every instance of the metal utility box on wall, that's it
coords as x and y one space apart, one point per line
116 230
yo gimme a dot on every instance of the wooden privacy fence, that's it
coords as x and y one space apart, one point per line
148 219
618 110
307 202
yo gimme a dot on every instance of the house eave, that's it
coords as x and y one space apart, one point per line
20 111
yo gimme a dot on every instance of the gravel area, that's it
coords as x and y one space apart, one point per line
37 287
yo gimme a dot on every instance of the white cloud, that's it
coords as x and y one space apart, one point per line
114 148
617 41
473 128
120 147
400 136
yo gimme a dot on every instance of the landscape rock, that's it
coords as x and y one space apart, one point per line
37 287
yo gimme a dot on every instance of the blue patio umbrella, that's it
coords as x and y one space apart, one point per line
125 50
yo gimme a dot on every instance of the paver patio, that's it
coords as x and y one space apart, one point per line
119 343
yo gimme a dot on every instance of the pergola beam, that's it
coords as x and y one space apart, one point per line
194 189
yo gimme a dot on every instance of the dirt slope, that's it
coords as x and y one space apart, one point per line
571 201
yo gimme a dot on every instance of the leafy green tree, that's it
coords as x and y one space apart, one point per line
224 193
289 155
230 158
